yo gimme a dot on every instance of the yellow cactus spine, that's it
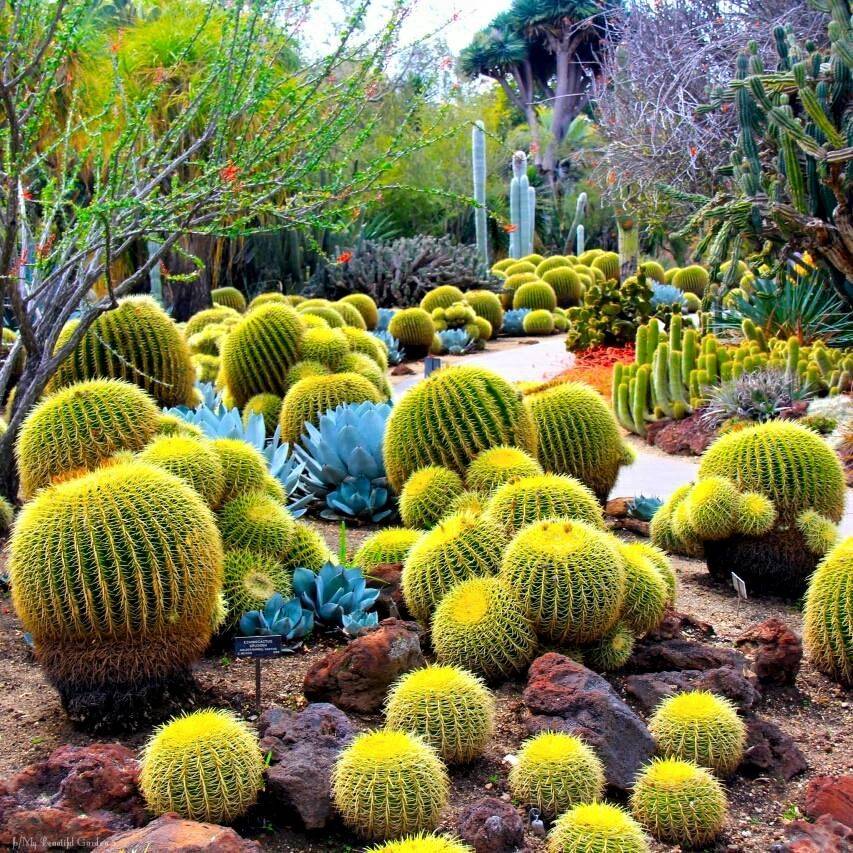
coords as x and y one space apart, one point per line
498 465
423 843
387 784
646 591
450 708
191 459
427 494
257 522
387 546
597 828
244 467
206 766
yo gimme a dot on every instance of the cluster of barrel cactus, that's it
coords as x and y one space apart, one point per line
673 373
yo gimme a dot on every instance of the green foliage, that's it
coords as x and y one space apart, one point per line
131 612
555 771
309 398
191 459
608 314
539 322
479 626
499 465
450 708
578 435
427 494
700 727
597 828
137 342
828 616
230 297
76 428
450 418
386 784
390 545
459 547
260 350
527 499
206 766
569 577
679 803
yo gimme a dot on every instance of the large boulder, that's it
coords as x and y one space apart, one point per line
563 695
776 650
173 833
651 688
356 677
681 654
303 746
491 825
832 795
75 798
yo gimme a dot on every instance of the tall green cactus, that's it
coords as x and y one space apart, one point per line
521 207
478 158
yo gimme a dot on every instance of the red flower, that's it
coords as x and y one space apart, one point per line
28 196
534 147
229 173
446 63
693 150
344 257
511 228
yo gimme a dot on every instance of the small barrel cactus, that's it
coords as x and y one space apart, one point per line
206 766
250 580
646 591
679 803
479 626
230 297
244 467
351 315
390 545
693 279
461 546
426 495
569 577
328 346
566 285
597 828
414 329
257 522
828 618
306 549
555 771
268 406
191 459
535 295
450 708
487 305
387 784
701 727
539 322
442 297
423 843
365 306
367 344
498 465
612 651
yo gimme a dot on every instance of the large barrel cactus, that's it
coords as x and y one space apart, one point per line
450 418
74 429
791 467
137 342
117 576
260 350
579 436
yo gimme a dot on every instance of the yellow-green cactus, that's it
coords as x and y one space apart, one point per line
539 322
191 459
250 578
305 549
646 591
368 345
423 843
414 329
350 314
712 505
566 284
365 306
244 467
328 346
388 546
498 465
257 522
387 784
597 828
442 297
487 305
266 405
230 297
427 494
206 766
450 708
535 295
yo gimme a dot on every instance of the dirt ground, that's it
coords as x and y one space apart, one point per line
815 712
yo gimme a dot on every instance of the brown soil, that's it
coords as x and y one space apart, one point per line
816 712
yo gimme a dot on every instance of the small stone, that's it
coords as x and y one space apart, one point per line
832 795
170 832
402 370
777 651
650 689
825 835
769 751
679 654
491 825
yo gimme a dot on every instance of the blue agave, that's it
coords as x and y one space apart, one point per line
395 351
342 465
217 421
333 593
354 625
385 315
666 294
513 321
288 619
643 507
455 341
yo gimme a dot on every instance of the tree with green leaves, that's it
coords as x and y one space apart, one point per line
110 141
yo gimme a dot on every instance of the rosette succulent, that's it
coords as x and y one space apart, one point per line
288 619
338 597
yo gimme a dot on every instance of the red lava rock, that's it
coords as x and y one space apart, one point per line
770 752
75 798
173 833
832 795
824 836
687 437
617 507
304 745
675 623
679 654
649 689
402 370
356 677
491 825
387 577
777 651
565 696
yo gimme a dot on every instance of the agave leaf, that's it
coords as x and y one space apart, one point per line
303 581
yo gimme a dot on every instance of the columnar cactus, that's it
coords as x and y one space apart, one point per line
520 208
478 158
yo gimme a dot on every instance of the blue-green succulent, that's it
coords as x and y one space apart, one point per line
333 593
455 341
285 618
514 321
395 352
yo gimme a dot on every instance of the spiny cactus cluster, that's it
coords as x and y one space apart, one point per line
206 766
597 828
578 435
450 708
452 417
387 784
427 494
193 460
137 342
765 506
499 465
257 522
423 843
555 771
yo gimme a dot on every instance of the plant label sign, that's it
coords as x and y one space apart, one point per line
431 364
262 646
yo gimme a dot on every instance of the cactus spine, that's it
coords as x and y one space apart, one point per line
478 158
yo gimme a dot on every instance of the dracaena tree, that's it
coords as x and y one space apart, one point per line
107 145
545 54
